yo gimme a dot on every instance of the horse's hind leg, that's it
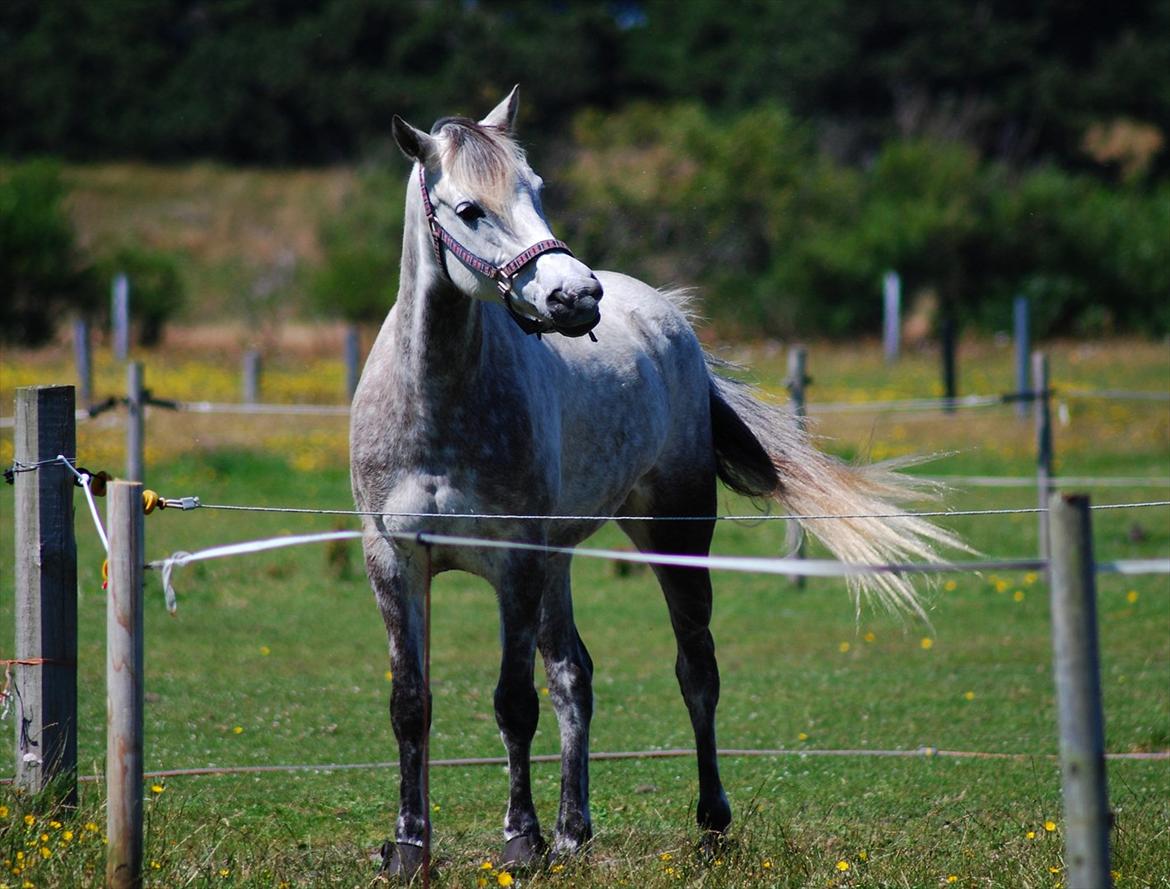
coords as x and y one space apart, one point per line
570 681
398 583
688 597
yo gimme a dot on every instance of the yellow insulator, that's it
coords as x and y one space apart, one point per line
150 500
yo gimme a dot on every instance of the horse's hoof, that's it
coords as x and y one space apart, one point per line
524 851
713 844
401 861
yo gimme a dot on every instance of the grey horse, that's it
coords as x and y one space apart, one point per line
503 384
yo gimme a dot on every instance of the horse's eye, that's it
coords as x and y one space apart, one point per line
469 212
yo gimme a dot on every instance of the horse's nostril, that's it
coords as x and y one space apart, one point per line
560 298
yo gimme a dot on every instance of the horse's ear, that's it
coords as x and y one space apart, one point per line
503 116
415 144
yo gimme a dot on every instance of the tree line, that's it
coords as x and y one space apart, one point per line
778 154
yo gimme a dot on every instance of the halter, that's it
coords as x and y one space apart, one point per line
502 275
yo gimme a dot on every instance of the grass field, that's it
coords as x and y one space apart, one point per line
281 659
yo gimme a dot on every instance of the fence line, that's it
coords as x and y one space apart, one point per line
922 752
903 404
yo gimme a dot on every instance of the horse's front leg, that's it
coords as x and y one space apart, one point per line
399 578
570 680
516 702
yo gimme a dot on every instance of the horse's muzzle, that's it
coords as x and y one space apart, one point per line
575 312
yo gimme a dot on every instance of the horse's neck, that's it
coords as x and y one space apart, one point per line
440 335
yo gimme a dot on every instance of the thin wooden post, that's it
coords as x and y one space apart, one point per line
45 672
891 316
135 422
1023 348
426 776
83 358
797 380
1078 692
949 347
120 315
352 351
251 376
124 686
1043 416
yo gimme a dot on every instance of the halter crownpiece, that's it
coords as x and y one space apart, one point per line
502 275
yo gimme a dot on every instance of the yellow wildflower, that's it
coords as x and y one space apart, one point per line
487 865
969 695
1131 596
951 878
265 650
3 811
1050 826
843 647
238 730
927 643
1018 595
665 856
504 878
30 820
950 586
842 866
157 788
46 852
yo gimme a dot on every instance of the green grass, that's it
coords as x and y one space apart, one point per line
281 659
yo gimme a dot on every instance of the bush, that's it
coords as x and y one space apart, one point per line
43 275
358 279
782 241
157 289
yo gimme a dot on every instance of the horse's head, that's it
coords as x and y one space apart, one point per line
482 203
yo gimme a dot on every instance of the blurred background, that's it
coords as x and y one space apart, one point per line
233 157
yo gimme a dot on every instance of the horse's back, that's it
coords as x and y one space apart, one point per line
635 404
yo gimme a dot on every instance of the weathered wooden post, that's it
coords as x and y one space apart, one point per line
1023 348
352 350
45 671
124 686
891 316
135 422
797 380
251 376
949 348
120 315
1072 580
83 358
1043 416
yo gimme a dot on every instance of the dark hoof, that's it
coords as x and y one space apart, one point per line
401 861
524 851
713 844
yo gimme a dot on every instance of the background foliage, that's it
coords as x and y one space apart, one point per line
778 155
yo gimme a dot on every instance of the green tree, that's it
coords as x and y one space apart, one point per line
358 279
43 274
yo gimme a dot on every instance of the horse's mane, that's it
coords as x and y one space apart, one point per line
481 160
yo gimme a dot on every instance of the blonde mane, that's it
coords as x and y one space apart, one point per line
483 161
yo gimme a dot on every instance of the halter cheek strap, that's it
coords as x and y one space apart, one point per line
502 275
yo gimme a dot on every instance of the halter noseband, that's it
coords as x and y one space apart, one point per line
502 275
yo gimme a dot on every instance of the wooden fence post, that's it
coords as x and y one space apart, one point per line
1078 692
124 686
1021 336
891 316
949 361
1043 414
352 351
135 422
251 376
120 315
797 380
83 358
46 594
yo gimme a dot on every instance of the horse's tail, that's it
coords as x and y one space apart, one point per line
765 451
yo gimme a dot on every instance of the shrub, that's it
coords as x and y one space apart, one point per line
43 275
157 289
